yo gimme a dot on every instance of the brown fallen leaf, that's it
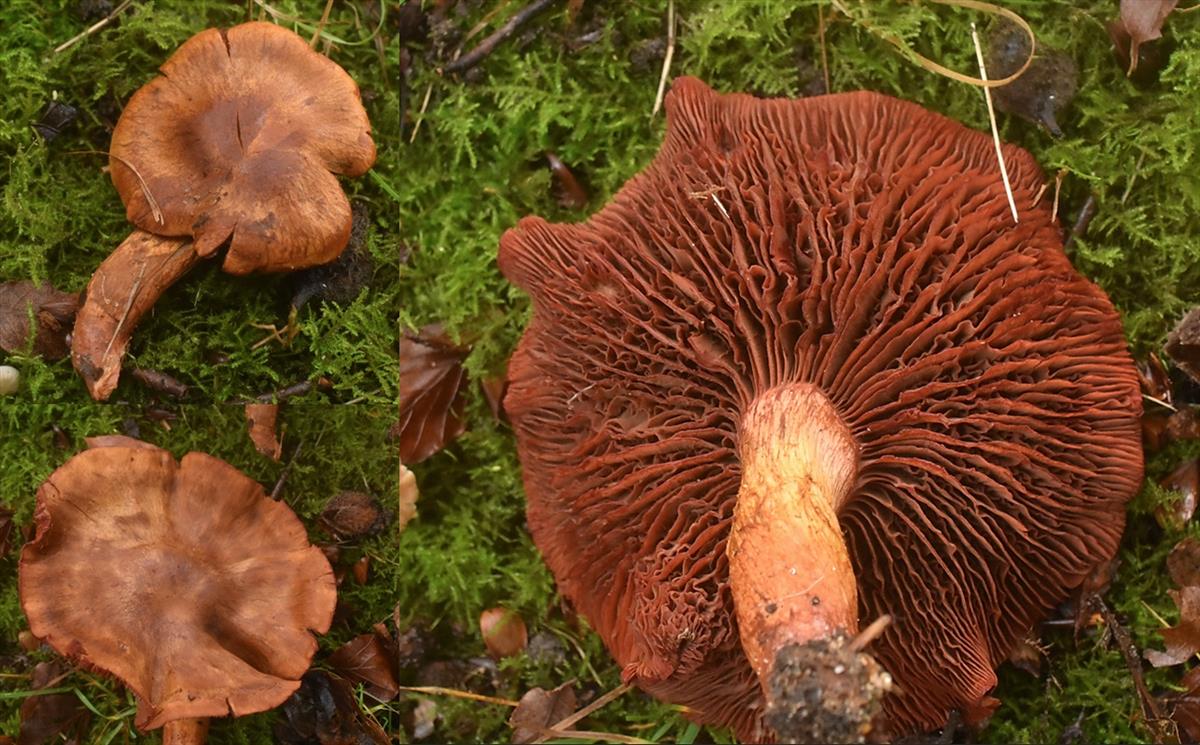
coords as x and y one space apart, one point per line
493 392
370 659
1183 344
1184 424
407 504
1154 378
1186 481
353 514
504 632
1183 708
539 709
52 313
1139 21
568 192
123 289
46 719
1183 563
360 569
1027 655
431 393
1183 640
260 420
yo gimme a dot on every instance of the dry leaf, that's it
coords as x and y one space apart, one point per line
431 393
53 313
352 514
360 569
493 392
1140 21
504 632
1186 481
1183 563
1183 343
1183 640
55 717
370 659
1027 655
1183 708
539 709
260 419
407 504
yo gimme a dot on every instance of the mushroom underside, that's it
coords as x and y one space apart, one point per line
808 336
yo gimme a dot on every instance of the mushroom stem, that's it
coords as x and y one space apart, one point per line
185 732
789 568
123 289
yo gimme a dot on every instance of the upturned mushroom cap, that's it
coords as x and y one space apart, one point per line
814 327
181 579
240 139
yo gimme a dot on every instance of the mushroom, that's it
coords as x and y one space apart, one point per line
238 143
183 580
803 372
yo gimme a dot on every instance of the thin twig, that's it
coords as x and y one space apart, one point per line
1160 402
312 43
93 28
284 473
1137 168
1086 213
670 55
821 39
581 734
870 633
488 45
420 115
155 211
454 692
133 293
987 94
1058 180
1150 709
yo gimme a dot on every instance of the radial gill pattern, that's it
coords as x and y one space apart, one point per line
864 245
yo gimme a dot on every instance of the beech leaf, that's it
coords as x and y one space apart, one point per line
431 393
53 314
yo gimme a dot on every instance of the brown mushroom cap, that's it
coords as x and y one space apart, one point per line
181 579
828 297
239 140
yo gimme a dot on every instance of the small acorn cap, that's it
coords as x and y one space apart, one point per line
183 580
241 140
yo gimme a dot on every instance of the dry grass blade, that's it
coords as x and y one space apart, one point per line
666 68
932 66
987 94
581 734
455 693
312 43
155 210
870 633
93 28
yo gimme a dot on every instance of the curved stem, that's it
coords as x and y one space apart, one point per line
124 288
789 568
